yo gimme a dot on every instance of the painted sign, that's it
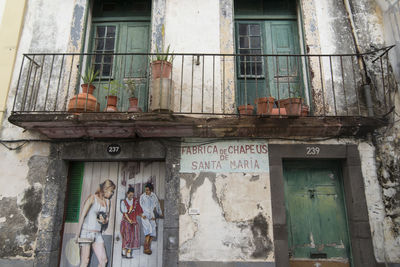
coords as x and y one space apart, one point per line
224 156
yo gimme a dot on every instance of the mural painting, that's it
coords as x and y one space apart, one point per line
117 218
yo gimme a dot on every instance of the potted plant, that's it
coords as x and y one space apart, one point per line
246 109
264 105
133 100
85 101
88 78
161 65
112 90
293 104
162 94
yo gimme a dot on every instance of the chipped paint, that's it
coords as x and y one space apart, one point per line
233 230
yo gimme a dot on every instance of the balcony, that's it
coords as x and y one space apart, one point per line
201 95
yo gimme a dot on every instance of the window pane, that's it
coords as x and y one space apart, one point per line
97 67
107 59
99 44
106 70
255 42
255 29
100 31
97 59
111 31
244 42
110 44
243 29
259 68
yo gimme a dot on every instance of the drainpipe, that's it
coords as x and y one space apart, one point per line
366 78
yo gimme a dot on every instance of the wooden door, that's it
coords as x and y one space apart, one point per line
261 76
137 175
284 72
316 216
84 179
121 37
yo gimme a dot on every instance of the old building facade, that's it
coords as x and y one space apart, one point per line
270 134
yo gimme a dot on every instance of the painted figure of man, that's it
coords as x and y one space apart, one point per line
149 202
130 230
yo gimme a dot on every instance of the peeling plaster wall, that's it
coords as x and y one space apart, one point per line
235 220
375 28
229 204
208 28
391 22
21 200
26 191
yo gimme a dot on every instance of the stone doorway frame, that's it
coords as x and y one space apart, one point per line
354 193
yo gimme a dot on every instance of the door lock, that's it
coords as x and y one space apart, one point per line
312 193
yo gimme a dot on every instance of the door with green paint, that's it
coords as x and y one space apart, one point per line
278 74
316 215
116 71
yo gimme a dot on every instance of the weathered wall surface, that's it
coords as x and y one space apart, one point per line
28 188
225 202
201 78
374 28
391 21
235 219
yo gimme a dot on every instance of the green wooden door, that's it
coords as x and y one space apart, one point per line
267 76
316 216
116 70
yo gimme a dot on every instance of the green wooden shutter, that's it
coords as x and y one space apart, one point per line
74 192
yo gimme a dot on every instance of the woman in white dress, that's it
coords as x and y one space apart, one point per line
92 221
149 202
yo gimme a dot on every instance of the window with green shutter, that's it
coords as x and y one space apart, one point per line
74 192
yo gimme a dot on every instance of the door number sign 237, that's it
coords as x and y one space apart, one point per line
113 149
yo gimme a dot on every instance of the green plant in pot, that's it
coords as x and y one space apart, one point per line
88 78
293 104
161 64
112 90
85 101
131 87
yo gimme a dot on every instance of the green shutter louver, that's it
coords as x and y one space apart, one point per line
74 192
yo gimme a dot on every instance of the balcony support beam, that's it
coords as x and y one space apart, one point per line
153 125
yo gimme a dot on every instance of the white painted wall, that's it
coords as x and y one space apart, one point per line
193 26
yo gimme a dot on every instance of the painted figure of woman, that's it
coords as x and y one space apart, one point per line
93 221
130 230
149 202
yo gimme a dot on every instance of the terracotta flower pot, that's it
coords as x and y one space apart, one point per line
246 109
133 105
161 66
292 106
88 88
85 101
278 111
111 103
305 110
264 105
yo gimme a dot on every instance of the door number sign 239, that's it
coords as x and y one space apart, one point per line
312 150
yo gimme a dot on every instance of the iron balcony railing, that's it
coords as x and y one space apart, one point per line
328 85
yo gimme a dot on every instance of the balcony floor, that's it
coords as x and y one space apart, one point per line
131 125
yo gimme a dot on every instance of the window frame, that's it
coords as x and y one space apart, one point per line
263 74
92 48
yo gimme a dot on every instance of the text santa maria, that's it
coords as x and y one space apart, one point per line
224 156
